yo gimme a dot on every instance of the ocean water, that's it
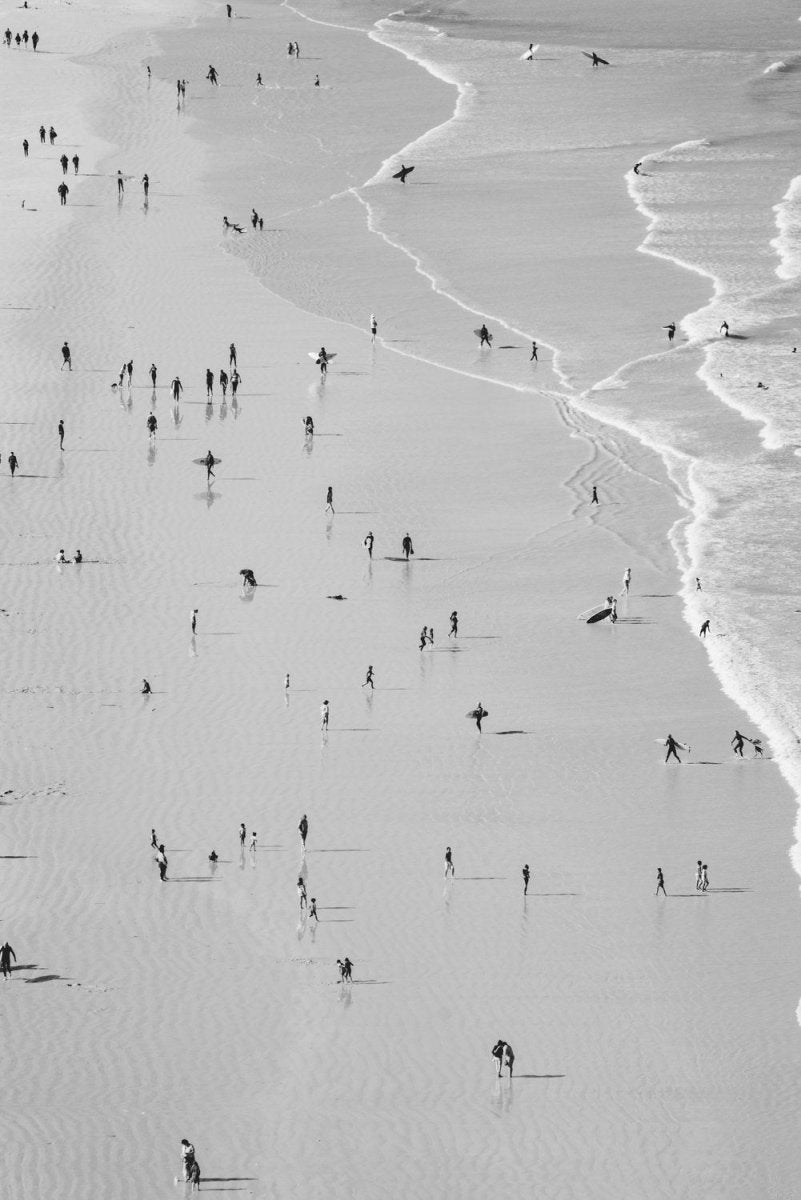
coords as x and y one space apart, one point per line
501 220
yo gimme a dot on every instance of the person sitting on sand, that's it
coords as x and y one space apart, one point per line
78 557
62 558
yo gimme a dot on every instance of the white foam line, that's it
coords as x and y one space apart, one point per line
316 21
786 226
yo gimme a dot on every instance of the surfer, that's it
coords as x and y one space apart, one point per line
208 463
369 678
594 495
704 630
61 434
738 741
597 60
329 500
530 53
146 688
402 173
322 360
65 354
672 746
671 330
479 714
6 955
408 548
176 385
303 827
454 629
504 1053
449 867
484 337
368 543
637 166
660 882
533 353
526 877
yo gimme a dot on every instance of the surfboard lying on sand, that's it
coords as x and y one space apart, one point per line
201 462
313 354
477 332
599 616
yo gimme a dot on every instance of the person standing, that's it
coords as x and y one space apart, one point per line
303 829
209 383
660 882
6 955
193 620
13 463
187 1158
25 147
153 374
526 877
699 876
152 424
252 846
65 162
301 886
454 630
243 833
704 630
313 909
232 355
146 185
34 39
324 714
704 878
63 192
236 379
479 715
373 327
67 357
369 678
120 185
594 495
42 134
52 135
672 747
368 543
424 637
449 867
408 548
176 385
76 162
161 859
627 580
61 434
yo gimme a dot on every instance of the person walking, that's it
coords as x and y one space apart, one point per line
503 1053
232 355
424 637
479 714
408 548
627 580
65 162
485 337
303 829
660 882
236 379
329 500
368 543
176 386
193 620
243 833
673 746
61 434
63 192
704 878
13 463
704 630
324 714
369 679
161 859
449 867
209 383
699 875
454 630
313 910
301 886
224 383
208 463
187 1158
76 162
738 742
146 185
6 955
252 846
534 353
526 877
25 147
594 495
120 185
373 327
152 424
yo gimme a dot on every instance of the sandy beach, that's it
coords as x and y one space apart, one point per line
656 1038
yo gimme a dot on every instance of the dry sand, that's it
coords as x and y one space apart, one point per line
656 1041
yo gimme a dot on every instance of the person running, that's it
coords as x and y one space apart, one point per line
671 330
176 386
479 715
533 353
208 463
373 327
594 495
738 741
324 714
209 383
63 192
13 463
301 893
161 859
704 630
146 185
303 829
369 679
6 955
329 500
699 875
502 1052
660 882
454 630
76 162
526 877
672 747
258 84
152 424
61 434
368 543
193 621
704 878
627 580
485 338
408 548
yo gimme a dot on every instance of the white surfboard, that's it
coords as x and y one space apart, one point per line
679 745
590 612
529 54
315 354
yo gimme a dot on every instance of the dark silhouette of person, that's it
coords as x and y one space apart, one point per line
209 382
503 1052
672 745
704 630
212 75
594 495
484 337
526 877
408 548
76 162
671 330
63 192
61 434
480 714
737 741
65 354
65 162
42 134
304 829
6 955
660 882
25 147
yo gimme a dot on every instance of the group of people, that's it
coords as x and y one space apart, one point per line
21 39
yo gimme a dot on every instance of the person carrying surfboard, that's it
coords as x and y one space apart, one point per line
208 463
322 360
485 337
673 746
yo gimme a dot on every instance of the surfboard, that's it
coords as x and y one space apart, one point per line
201 462
529 54
599 616
474 713
590 612
595 58
404 171
679 745
315 355
477 332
